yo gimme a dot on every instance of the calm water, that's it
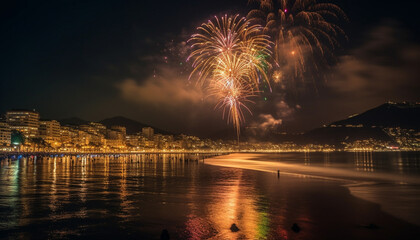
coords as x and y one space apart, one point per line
390 179
138 196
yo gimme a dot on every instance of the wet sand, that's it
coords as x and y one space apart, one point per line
322 206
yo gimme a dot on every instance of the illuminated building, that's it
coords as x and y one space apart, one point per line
5 133
158 139
93 134
24 121
132 140
49 130
83 138
120 129
115 139
99 128
148 132
69 137
67 134
93 128
88 128
114 135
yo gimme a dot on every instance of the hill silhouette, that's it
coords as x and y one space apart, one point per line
404 115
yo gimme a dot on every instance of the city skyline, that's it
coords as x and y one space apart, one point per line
389 127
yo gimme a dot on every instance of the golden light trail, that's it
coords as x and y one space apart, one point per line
229 59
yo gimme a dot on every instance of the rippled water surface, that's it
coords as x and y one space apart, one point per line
138 196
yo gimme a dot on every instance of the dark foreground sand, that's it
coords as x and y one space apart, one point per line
329 211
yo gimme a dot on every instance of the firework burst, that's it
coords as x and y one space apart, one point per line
304 33
229 59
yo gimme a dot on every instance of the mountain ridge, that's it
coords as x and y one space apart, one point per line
369 124
404 115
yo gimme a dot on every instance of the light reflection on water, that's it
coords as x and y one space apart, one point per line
139 195
391 179
392 166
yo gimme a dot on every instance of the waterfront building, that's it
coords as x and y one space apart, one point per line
93 128
88 128
24 121
98 128
158 140
96 139
149 144
50 131
120 129
67 134
132 140
148 132
69 138
115 139
115 143
114 135
5 133
93 135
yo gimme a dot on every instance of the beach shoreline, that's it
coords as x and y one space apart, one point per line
385 221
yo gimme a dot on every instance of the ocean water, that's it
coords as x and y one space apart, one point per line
137 196
390 179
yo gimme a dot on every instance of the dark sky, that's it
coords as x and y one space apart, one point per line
97 59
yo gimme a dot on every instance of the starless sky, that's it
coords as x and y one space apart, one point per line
102 58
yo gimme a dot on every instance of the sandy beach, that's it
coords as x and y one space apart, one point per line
321 204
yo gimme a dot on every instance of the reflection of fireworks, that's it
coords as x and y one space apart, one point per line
301 29
229 57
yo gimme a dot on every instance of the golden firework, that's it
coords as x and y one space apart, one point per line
229 58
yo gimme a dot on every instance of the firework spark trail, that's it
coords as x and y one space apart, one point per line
304 32
231 91
229 58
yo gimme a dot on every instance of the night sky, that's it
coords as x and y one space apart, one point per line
98 59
